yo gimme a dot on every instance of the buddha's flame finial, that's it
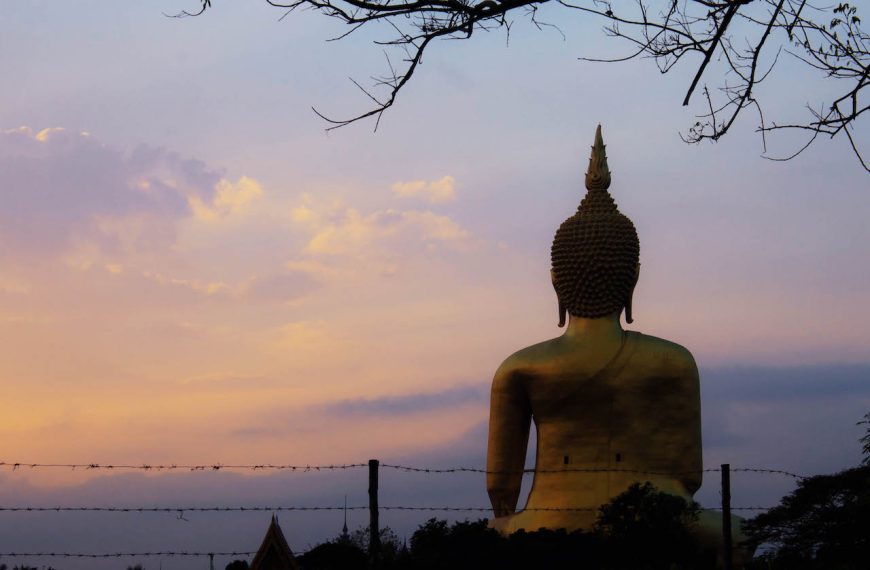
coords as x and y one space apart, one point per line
598 175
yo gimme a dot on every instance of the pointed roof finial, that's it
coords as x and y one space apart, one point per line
598 175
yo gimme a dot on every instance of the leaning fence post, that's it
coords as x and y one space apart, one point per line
374 527
727 550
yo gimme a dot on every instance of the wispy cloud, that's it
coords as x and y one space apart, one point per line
229 198
410 403
355 231
434 192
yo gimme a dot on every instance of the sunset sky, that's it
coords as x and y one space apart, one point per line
193 271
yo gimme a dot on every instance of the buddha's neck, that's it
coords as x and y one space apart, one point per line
603 327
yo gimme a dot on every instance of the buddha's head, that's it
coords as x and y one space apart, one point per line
595 254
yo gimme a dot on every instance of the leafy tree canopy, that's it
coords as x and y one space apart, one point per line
648 529
865 441
823 524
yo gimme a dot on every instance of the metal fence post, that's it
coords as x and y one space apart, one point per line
374 526
727 549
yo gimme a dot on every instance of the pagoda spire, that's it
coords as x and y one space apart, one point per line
345 537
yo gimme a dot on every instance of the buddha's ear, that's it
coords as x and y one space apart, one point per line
562 310
628 317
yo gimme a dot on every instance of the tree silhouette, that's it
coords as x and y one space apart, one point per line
823 524
640 529
470 545
644 528
334 556
865 440
734 43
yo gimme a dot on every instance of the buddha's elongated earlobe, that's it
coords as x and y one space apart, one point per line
628 318
562 309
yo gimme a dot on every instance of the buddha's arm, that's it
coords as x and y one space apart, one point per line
690 416
509 420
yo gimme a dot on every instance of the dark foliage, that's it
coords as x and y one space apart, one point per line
351 552
472 545
390 546
823 524
334 556
865 441
237 565
553 549
643 528
464 545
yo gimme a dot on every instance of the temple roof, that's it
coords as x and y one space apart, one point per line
274 553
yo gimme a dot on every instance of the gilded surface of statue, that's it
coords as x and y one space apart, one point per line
611 407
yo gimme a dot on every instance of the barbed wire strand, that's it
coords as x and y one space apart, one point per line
182 510
411 469
122 554
170 467
767 471
406 468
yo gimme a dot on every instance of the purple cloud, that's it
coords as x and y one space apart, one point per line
56 185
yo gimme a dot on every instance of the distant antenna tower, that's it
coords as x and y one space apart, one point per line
345 537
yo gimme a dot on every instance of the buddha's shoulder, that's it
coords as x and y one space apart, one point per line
530 357
653 351
663 351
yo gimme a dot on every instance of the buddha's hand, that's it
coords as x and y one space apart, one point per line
502 506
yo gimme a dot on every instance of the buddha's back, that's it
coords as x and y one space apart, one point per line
634 417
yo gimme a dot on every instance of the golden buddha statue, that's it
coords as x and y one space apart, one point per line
611 407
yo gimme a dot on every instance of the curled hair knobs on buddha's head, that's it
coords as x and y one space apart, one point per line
595 252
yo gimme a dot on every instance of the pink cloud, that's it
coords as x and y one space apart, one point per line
59 186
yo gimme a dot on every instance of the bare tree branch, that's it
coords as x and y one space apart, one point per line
732 39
